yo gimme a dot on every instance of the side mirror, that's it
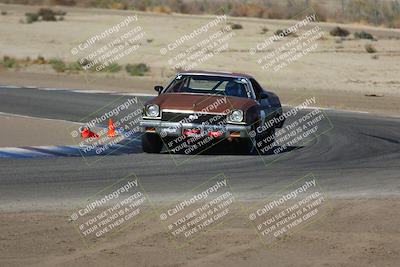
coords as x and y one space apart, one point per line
158 88
263 95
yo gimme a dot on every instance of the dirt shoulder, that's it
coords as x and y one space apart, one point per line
357 232
348 100
25 131
339 73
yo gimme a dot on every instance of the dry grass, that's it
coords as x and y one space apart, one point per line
383 12
370 48
329 64
338 31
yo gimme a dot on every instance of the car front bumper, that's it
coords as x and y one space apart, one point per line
165 128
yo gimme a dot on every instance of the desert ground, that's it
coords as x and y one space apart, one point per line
26 131
359 231
340 73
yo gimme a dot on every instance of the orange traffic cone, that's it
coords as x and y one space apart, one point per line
111 130
87 133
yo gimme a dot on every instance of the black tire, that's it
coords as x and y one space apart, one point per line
267 141
245 145
151 143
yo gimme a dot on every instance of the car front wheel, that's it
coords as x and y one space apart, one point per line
245 145
266 142
151 143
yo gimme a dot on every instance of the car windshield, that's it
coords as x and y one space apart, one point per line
203 84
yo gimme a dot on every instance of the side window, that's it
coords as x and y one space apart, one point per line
256 87
177 85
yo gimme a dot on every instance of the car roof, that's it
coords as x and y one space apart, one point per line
216 73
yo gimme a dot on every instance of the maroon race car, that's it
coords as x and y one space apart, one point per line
198 109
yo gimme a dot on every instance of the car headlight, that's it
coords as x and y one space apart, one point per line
236 116
152 110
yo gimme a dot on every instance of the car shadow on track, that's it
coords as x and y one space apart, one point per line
230 149
217 150
222 148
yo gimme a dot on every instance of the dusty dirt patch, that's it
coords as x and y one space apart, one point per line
357 232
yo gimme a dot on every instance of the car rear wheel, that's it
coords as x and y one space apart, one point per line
151 143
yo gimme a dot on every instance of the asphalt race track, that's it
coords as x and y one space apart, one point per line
360 156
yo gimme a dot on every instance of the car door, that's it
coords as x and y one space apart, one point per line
265 111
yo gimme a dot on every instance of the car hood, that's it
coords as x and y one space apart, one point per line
201 102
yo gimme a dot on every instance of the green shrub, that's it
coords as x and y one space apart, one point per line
64 2
3 12
58 65
40 60
85 64
337 31
31 17
279 32
137 69
236 26
284 33
264 30
113 67
75 67
363 35
9 62
370 48
47 14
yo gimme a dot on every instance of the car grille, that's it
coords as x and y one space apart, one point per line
193 117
